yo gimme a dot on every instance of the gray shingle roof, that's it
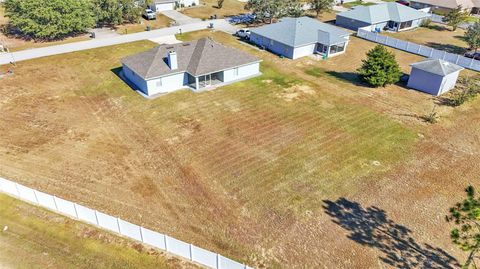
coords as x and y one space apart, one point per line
436 66
450 3
383 13
301 31
200 57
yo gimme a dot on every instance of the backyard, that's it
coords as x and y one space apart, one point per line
208 8
436 36
303 166
36 238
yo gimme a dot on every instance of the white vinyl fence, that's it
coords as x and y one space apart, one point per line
420 49
119 226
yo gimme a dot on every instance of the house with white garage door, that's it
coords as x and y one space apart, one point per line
163 5
195 65
298 37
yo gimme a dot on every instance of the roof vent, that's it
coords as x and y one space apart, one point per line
186 44
169 48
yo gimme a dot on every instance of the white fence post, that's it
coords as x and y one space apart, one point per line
218 261
16 188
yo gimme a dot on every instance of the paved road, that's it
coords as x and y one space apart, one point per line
6 58
179 18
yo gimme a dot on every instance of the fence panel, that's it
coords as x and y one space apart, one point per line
464 61
130 230
153 238
86 214
9 187
450 57
178 247
413 48
403 45
65 207
107 222
27 193
204 257
437 54
382 39
476 65
392 42
230 264
45 200
425 51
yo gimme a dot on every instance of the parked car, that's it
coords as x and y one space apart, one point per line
149 14
243 33
403 2
473 55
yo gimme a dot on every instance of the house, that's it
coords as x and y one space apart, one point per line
433 76
195 65
298 37
391 16
163 5
444 6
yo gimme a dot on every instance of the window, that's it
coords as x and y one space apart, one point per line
406 24
159 83
337 48
235 71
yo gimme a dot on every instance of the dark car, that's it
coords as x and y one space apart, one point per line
403 2
473 55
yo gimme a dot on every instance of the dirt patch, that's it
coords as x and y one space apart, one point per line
296 92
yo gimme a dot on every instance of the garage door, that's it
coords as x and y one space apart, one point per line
164 6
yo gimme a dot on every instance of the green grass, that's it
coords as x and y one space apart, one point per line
37 238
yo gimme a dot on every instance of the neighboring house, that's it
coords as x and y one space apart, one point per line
391 16
192 65
433 76
163 5
444 6
298 37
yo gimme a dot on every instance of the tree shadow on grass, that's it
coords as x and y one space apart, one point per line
447 47
371 227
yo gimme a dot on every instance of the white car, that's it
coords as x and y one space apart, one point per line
149 14
243 33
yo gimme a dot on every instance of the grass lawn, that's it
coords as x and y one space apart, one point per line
436 36
161 22
243 170
37 238
209 8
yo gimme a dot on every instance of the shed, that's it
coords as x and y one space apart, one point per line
434 76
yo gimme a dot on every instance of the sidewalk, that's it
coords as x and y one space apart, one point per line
179 18
23 55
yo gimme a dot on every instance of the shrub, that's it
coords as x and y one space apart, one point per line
380 68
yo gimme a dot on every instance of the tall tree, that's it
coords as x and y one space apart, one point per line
466 234
455 17
472 36
320 6
132 10
108 12
48 20
380 68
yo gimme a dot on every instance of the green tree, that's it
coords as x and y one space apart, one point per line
472 36
455 17
108 12
466 234
380 68
49 20
131 11
320 6
274 9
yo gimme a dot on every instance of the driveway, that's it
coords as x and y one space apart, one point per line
179 18
22 55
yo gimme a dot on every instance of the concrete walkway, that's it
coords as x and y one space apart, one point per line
6 58
180 18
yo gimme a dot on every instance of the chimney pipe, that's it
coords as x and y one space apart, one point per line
172 60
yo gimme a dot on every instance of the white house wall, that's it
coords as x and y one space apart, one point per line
449 82
168 84
304 51
139 82
425 82
188 3
272 45
243 72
